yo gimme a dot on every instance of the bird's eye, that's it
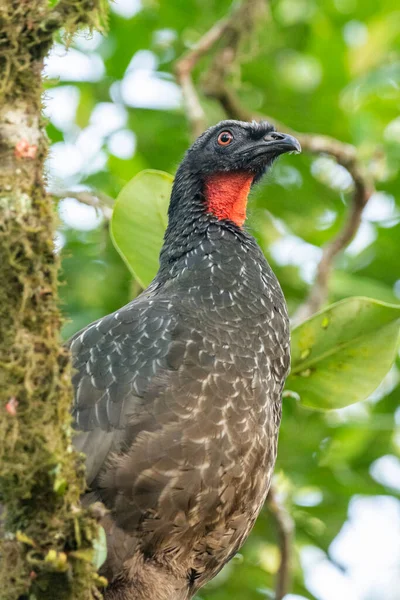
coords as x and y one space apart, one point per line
225 138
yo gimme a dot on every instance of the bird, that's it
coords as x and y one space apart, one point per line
178 394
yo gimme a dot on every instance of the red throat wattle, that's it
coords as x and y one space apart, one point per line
226 195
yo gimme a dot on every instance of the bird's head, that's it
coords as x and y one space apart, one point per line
233 146
226 160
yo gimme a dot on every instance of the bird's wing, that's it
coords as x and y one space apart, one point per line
118 361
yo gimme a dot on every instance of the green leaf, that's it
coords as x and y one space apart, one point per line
100 548
340 355
139 220
97 554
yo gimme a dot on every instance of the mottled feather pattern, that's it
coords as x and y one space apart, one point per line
178 393
189 410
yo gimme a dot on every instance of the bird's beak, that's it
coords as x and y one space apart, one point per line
275 144
285 143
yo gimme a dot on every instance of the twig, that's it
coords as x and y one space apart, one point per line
230 30
183 69
285 525
100 201
319 290
242 24
345 155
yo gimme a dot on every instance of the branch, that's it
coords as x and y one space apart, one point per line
230 30
345 155
285 526
100 201
183 70
319 290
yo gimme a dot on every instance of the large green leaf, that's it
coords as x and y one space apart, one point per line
139 220
341 354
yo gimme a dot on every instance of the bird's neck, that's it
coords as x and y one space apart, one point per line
186 219
190 216
203 242
196 202
226 195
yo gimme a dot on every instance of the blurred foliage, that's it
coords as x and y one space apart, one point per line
139 220
331 67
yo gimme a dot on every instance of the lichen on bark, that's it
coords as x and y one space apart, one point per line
45 534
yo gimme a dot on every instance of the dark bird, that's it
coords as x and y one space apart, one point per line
178 393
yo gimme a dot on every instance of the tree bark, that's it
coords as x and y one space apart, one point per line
47 538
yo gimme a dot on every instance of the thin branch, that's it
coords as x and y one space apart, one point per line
285 525
242 25
183 70
100 201
319 290
363 188
230 30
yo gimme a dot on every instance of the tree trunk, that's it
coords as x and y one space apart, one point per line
41 478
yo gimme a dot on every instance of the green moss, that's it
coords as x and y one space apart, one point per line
41 477
27 29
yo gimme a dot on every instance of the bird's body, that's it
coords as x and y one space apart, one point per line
178 402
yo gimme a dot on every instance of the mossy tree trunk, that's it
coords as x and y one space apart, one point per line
46 536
